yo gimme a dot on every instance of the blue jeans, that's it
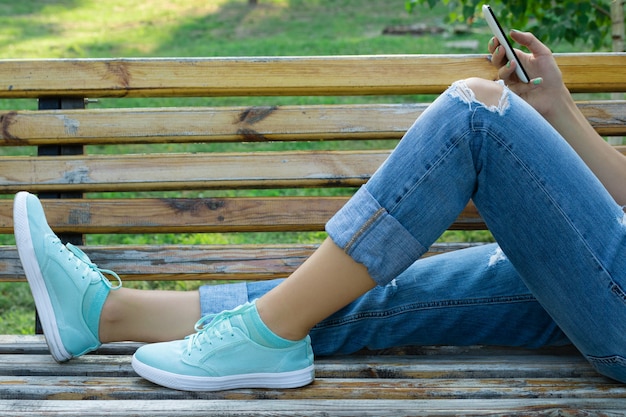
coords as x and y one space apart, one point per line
562 265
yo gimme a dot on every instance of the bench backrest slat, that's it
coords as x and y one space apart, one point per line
207 215
254 124
187 171
348 75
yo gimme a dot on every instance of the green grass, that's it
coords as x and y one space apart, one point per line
207 28
93 28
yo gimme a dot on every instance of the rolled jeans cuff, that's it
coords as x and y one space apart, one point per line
371 236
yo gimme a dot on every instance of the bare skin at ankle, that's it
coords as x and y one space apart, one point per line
148 316
323 284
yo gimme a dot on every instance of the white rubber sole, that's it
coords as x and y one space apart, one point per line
35 279
293 379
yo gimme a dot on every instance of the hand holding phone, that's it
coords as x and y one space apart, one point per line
495 27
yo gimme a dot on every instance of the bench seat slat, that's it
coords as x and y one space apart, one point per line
527 407
333 75
530 365
119 388
258 124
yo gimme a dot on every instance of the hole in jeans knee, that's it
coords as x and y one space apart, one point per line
489 94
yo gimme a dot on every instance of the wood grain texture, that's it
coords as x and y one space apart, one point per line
247 124
195 262
429 381
333 75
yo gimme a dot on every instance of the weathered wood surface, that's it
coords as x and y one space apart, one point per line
165 215
254 124
189 171
425 381
195 262
381 74
322 408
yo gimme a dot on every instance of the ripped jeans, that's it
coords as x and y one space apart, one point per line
562 271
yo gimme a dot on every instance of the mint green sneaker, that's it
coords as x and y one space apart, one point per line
232 349
69 290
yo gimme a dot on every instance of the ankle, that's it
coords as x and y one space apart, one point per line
282 325
110 318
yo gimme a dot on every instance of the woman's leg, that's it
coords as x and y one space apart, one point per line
468 297
148 316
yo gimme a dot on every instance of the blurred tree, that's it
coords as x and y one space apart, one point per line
550 20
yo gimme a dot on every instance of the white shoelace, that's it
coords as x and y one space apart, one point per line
83 263
211 326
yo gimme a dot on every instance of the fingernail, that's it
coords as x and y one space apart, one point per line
537 81
497 51
508 64
491 42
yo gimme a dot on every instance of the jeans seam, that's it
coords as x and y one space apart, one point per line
451 146
363 229
537 181
433 305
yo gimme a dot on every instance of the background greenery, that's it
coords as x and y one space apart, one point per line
189 28
591 21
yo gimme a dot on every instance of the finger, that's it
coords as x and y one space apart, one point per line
507 72
498 58
534 45
493 44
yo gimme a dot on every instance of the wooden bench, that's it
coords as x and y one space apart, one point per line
231 169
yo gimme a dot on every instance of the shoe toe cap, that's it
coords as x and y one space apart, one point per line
164 357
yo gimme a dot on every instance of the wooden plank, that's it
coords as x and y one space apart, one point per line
451 366
233 262
119 388
36 344
526 407
335 75
257 124
607 117
194 262
92 173
201 215
197 215
231 124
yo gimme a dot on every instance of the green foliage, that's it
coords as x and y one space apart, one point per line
17 308
551 21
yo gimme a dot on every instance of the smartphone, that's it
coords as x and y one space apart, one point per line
495 27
